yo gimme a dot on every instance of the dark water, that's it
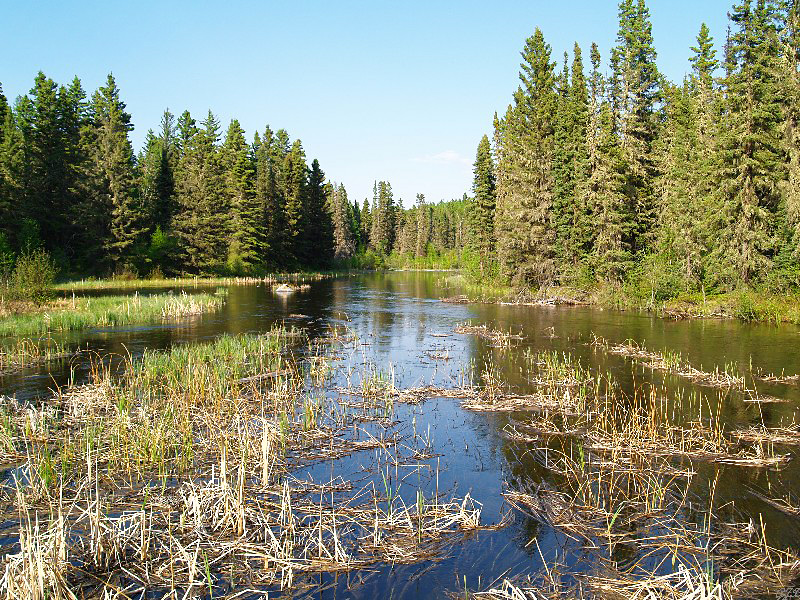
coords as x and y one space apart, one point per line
398 315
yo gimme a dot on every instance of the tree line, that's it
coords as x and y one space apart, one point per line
193 200
383 230
622 176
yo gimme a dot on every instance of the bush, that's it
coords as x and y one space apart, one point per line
6 258
744 306
33 276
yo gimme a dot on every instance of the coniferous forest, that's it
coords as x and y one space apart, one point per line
600 171
604 171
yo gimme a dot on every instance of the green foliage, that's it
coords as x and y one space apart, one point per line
482 207
6 258
33 276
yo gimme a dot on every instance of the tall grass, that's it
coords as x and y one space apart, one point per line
107 311
132 283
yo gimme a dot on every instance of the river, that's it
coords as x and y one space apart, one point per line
409 333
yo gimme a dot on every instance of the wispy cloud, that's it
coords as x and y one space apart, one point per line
448 157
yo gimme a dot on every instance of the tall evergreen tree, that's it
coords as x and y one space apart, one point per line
245 220
424 226
636 95
525 239
483 205
111 167
344 245
319 227
201 223
752 154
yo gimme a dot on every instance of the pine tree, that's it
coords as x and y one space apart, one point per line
111 166
483 205
245 220
525 239
752 154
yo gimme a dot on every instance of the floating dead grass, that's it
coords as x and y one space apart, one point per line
604 506
175 477
499 339
772 378
672 363
768 435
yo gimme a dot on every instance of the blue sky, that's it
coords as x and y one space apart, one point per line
399 91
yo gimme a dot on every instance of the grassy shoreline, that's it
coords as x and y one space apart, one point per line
106 311
127 283
746 305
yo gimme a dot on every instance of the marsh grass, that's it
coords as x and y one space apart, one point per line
199 282
174 475
108 311
28 352
673 363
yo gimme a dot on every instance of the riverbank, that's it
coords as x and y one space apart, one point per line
167 282
104 311
747 305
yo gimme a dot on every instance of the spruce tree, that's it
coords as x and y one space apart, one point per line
270 158
111 164
483 205
201 222
366 225
341 214
636 94
752 154
602 192
244 220
318 243
525 238
295 179
424 226
681 211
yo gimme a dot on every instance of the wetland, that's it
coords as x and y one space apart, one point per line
358 437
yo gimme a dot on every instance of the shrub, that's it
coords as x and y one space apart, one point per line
744 306
6 258
33 276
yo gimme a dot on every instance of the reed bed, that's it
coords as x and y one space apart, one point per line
639 537
498 338
174 476
133 283
29 352
674 364
782 378
789 436
110 311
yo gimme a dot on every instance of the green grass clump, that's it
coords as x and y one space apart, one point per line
166 282
107 311
210 371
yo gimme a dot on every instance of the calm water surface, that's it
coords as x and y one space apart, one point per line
397 316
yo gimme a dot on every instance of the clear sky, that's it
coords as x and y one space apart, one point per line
400 91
